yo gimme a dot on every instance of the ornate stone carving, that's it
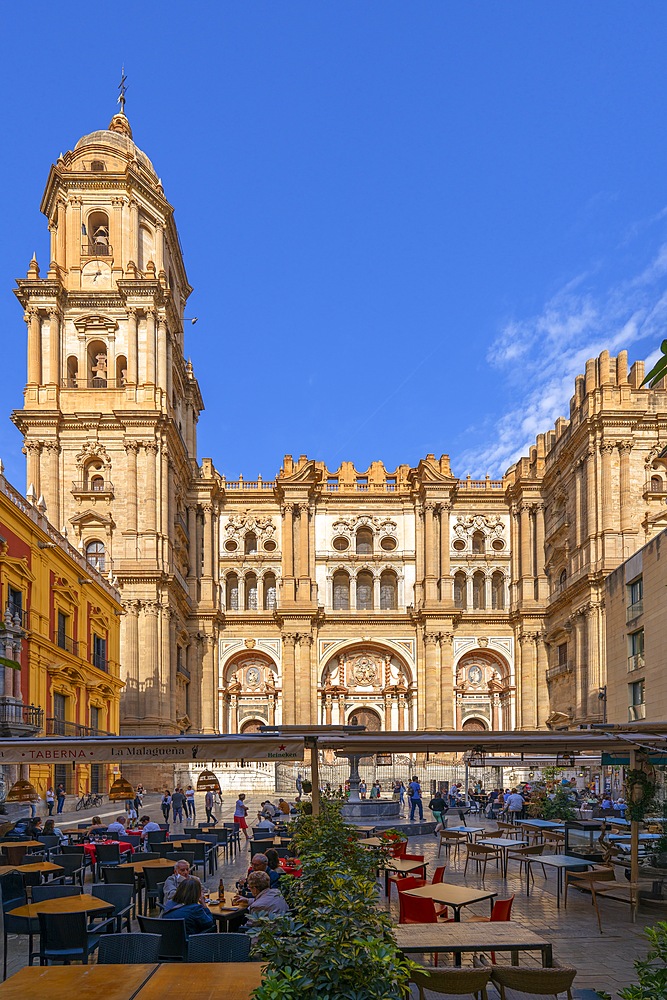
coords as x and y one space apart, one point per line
240 525
492 527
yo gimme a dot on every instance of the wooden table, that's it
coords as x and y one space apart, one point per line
231 980
504 845
138 866
470 936
373 842
179 841
223 914
82 903
558 861
401 866
455 896
15 849
85 982
44 867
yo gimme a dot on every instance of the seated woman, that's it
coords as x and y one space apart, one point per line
51 830
97 826
187 905
273 870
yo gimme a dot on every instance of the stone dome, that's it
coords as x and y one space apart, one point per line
118 137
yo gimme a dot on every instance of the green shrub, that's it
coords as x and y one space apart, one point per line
652 970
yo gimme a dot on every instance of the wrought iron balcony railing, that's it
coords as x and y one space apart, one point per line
58 727
634 611
96 250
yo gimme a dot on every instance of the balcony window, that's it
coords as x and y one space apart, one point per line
364 592
95 555
99 658
636 650
94 717
388 591
498 591
232 592
270 592
460 591
341 591
479 592
635 599
251 592
562 654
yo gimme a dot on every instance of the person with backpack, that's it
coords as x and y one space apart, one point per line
415 796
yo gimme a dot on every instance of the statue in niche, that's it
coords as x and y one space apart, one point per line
234 685
100 369
269 683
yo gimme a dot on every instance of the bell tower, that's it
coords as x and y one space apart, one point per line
111 408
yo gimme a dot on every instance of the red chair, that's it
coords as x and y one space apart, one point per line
411 882
438 875
398 851
417 910
501 910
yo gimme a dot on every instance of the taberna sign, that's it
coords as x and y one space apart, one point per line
151 749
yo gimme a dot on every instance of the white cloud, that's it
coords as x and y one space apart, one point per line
541 355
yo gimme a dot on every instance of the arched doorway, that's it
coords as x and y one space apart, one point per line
365 717
252 726
474 726
484 691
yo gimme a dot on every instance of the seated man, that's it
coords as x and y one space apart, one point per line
269 810
188 904
117 827
265 824
180 873
265 902
147 826
284 807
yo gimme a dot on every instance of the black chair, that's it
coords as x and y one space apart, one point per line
143 856
123 876
63 937
212 850
199 854
42 892
12 887
223 839
219 948
154 879
181 856
157 837
122 899
234 834
259 847
74 866
191 831
78 851
109 856
51 843
129 949
160 850
174 943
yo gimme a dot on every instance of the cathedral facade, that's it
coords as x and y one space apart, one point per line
403 599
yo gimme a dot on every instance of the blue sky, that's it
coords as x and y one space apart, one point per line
407 225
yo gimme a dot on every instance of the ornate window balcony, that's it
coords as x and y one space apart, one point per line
96 250
559 670
95 488
17 719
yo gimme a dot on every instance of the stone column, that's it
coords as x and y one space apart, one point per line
192 541
209 684
116 234
208 541
50 485
526 693
304 560
54 347
591 506
429 553
446 681
376 592
541 702
162 353
159 247
131 450
515 543
167 667
132 353
419 555
34 323
289 690
606 451
33 451
445 578
594 664
170 367
288 553
542 592
469 593
580 664
625 447
526 548
150 661
62 234
133 253
578 503
488 598
303 700
327 710
130 659
150 346
234 714
165 491
432 680
150 487
75 212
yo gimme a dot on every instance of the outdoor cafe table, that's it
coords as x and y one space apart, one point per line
85 982
223 914
504 845
469 830
558 861
402 866
373 842
229 980
139 866
456 896
15 849
124 846
82 903
470 936
43 867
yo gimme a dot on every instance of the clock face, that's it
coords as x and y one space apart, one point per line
252 676
96 274
475 675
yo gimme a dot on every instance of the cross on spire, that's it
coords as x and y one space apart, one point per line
122 88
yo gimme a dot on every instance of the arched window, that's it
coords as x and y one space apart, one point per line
478 542
656 484
365 542
232 592
145 247
97 374
72 371
121 371
460 591
94 476
341 591
97 483
497 591
251 592
388 591
250 543
562 580
479 592
98 235
95 555
270 592
364 592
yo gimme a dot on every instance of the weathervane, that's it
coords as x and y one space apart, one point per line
122 88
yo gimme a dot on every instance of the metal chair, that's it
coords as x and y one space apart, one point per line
154 879
51 843
129 949
451 839
160 850
123 876
40 893
74 869
109 856
174 940
219 948
157 836
13 891
481 854
63 937
121 898
211 850
259 846
458 982
534 982
181 856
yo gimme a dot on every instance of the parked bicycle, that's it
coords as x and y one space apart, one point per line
89 801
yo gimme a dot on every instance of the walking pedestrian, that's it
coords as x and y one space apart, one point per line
208 804
438 807
240 813
50 800
165 805
177 803
190 808
61 795
299 787
401 795
415 796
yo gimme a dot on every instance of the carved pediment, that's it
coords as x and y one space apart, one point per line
308 473
91 519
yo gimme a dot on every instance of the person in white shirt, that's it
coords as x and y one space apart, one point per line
147 826
265 824
514 805
181 871
118 827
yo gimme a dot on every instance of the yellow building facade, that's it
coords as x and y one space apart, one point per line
406 598
59 642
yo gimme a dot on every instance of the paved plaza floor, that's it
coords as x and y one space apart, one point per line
604 961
